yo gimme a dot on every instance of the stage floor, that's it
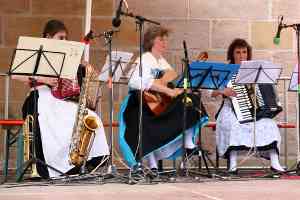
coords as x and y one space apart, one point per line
183 189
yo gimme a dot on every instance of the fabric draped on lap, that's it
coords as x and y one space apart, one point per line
56 119
161 134
231 135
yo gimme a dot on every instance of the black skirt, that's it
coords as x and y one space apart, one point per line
158 131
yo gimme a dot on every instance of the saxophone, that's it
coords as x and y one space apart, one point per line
84 128
28 145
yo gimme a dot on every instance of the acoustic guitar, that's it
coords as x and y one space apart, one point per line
158 102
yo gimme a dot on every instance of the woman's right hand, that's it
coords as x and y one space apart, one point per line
229 92
49 81
175 92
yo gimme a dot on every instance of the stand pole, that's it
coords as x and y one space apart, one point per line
297 28
186 84
140 143
111 168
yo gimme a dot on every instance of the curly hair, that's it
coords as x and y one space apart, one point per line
238 43
150 35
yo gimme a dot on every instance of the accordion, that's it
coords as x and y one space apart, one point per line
267 103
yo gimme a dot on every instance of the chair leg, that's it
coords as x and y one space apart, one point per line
6 155
217 159
20 156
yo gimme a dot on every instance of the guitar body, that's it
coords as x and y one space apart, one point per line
158 102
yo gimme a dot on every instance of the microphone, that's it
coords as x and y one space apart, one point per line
88 37
276 39
116 22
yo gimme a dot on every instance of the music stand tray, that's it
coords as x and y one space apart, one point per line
39 57
209 75
293 87
258 72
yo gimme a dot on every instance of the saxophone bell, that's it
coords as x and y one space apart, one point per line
87 134
84 127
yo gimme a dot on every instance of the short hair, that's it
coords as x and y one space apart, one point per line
238 43
54 26
151 33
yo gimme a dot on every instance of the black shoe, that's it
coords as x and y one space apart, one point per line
233 172
154 173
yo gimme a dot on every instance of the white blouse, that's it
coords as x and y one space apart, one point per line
150 69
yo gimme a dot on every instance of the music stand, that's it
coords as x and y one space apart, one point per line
120 60
114 70
257 72
35 57
207 75
293 87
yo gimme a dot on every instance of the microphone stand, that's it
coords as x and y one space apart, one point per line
111 169
186 84
140 20
296 27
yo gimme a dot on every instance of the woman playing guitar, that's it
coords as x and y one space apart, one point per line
161 127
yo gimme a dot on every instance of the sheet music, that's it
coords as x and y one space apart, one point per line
71 58
249 72
294 80
120 59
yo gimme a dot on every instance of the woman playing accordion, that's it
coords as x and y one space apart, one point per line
233 136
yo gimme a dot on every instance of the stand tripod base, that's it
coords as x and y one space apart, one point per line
29 163
202 155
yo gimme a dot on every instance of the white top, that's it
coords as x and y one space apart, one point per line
150 68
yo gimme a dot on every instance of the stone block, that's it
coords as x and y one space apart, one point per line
14 6
5 59
71 7
287 60
223 32
33 26
262 34
158 8
261 55
57 7
286 8
241 10
194 32
126 38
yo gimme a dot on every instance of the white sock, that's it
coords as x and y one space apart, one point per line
188 142
152 161
275 160
233 160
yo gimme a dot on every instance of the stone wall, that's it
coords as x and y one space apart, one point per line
205 25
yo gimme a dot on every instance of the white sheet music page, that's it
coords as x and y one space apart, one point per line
294 80
258 71
66 59
120 60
